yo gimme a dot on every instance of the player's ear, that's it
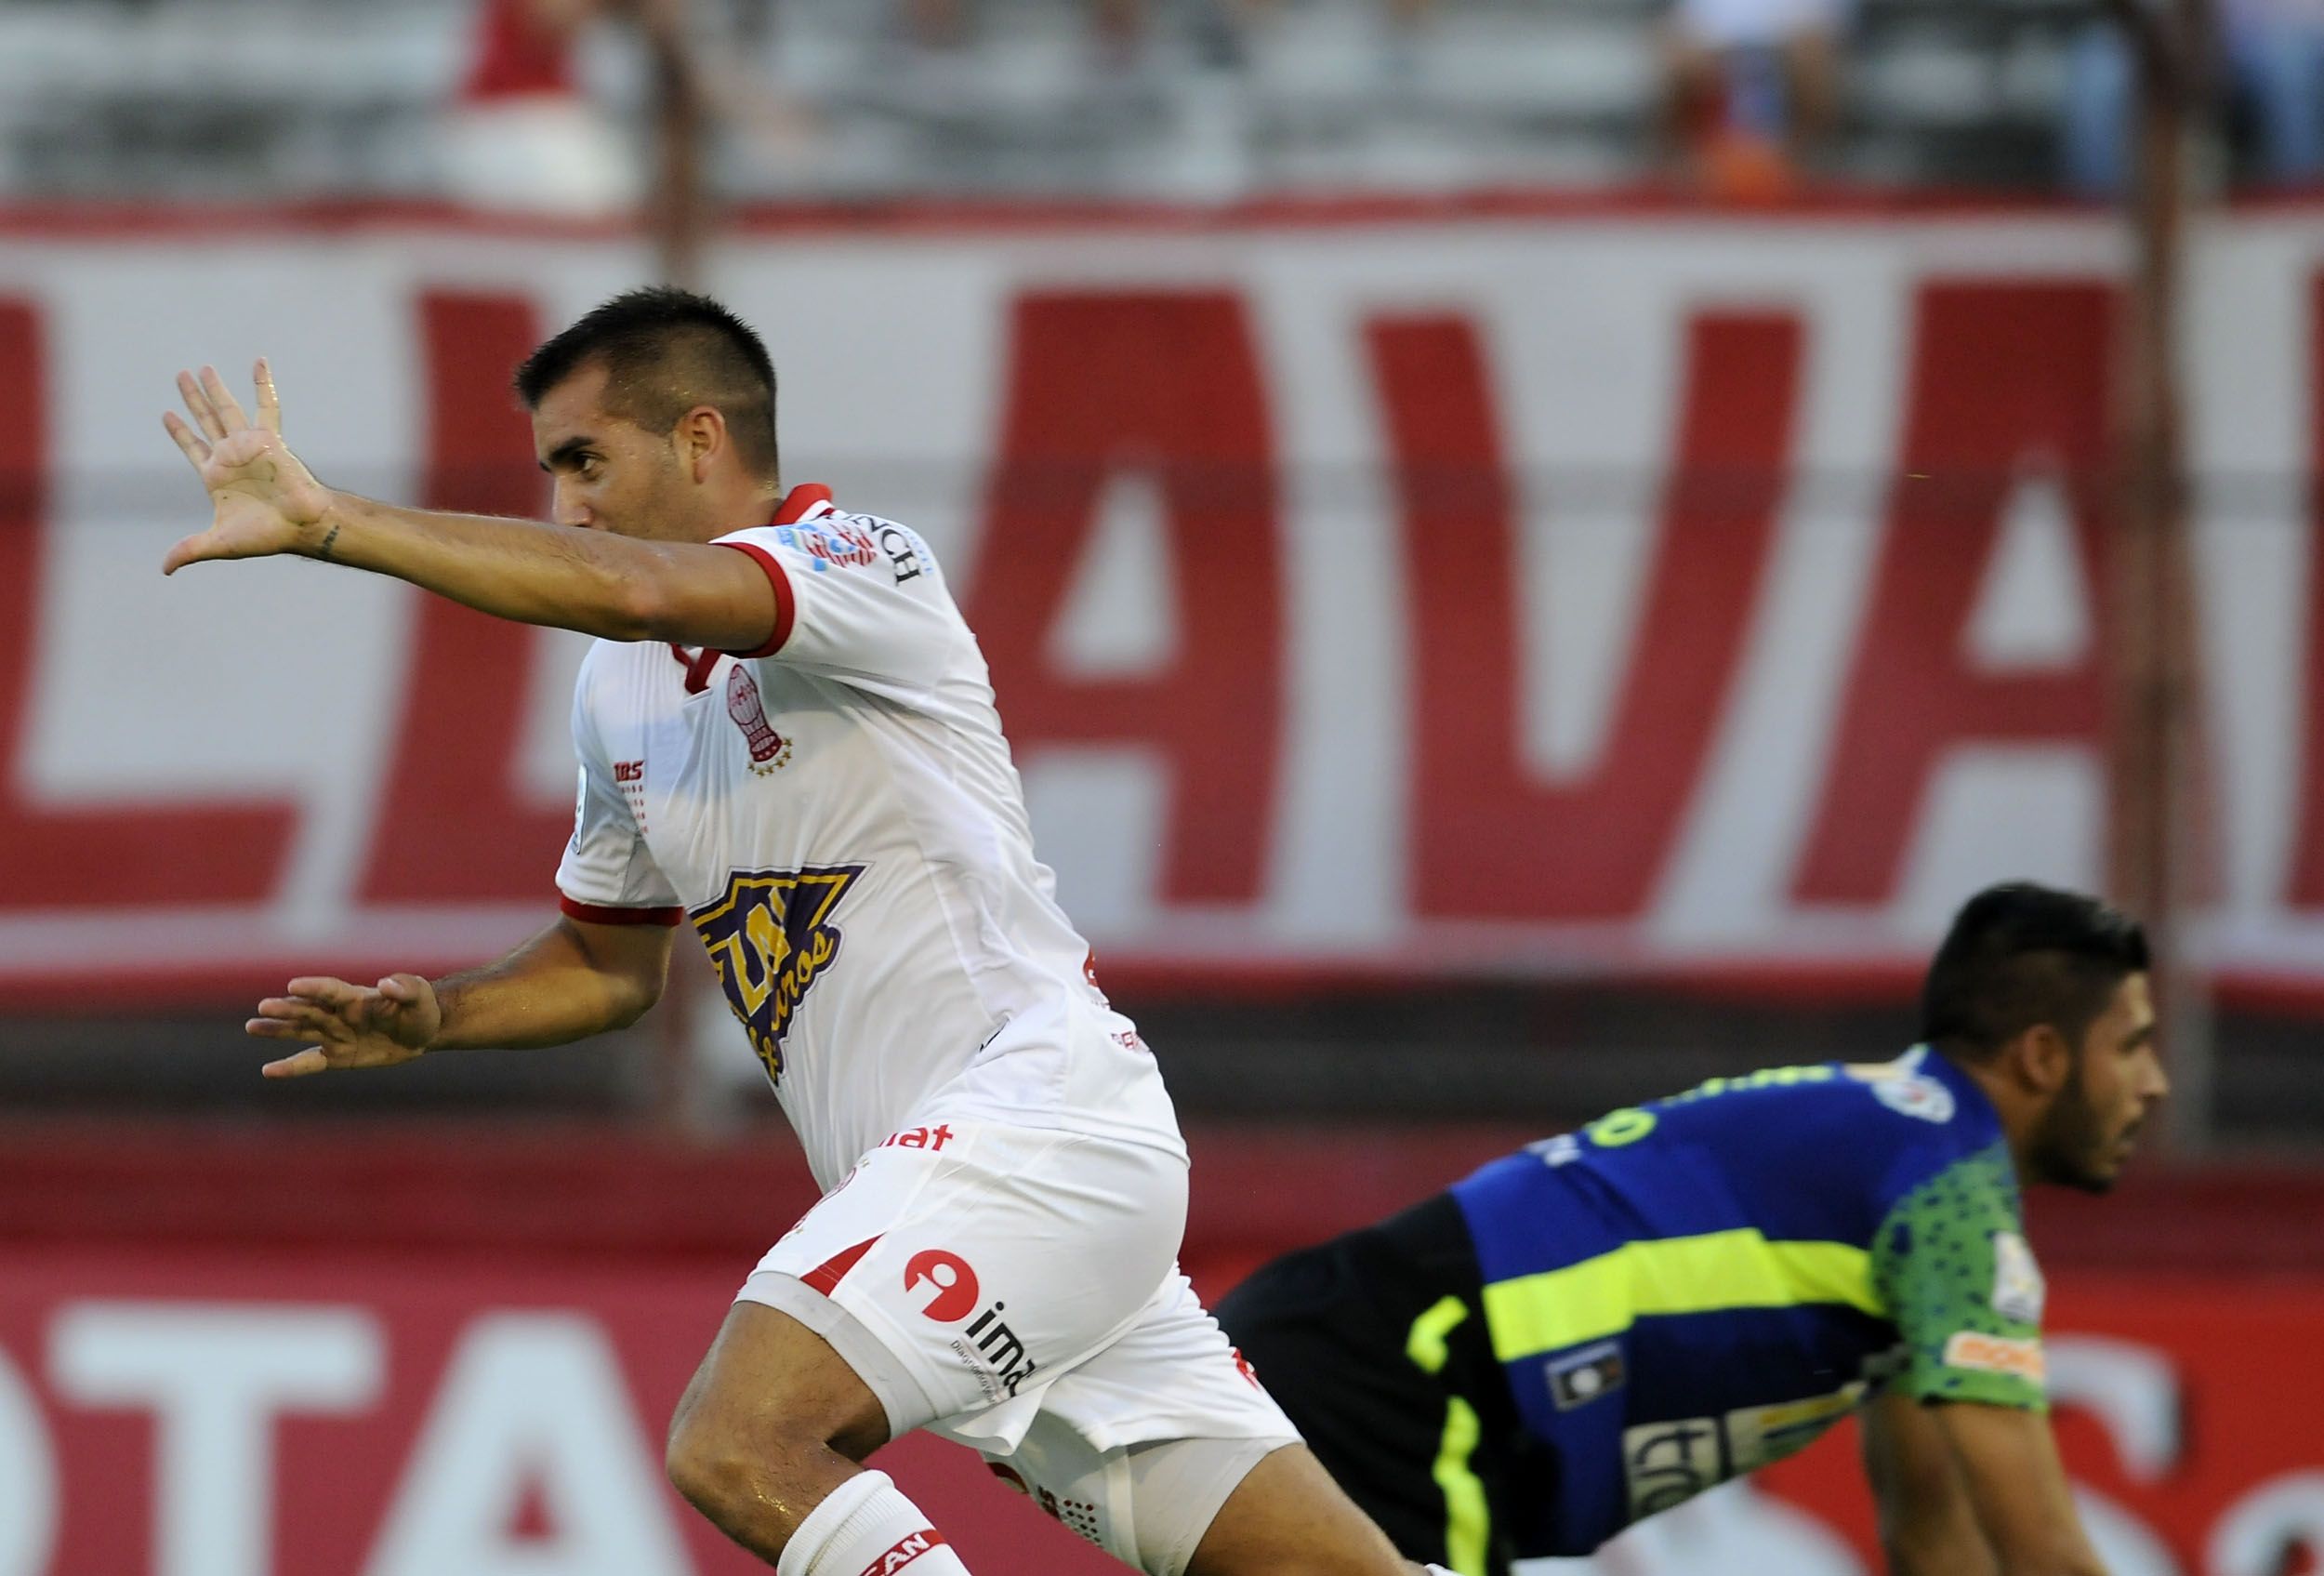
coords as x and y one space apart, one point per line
701 438
2041 1059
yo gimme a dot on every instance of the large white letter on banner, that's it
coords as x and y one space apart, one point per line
28 1480
2259 1532
215 1376
531 1400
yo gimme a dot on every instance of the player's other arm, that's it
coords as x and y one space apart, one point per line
1928 1527
2016 1487
573 980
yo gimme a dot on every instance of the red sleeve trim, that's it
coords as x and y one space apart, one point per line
590 913
786 606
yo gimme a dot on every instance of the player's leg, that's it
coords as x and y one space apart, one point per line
1374 1346
1288 1516
765 1444
1330 1343
1165 1451
949 1278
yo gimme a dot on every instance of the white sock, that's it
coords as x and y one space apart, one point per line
865 1526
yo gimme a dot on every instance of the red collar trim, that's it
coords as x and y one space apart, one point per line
799 502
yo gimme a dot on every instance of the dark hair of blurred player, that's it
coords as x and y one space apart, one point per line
2044 971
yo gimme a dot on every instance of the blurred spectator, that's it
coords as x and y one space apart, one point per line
1218 31
1752 91
2272 68
523 134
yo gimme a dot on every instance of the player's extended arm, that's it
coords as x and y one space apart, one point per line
1928 1527
573 980
264 501
2016 1484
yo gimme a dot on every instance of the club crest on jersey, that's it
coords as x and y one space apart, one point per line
770 751
770 937
832 543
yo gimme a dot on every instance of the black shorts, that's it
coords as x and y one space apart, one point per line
1375 1343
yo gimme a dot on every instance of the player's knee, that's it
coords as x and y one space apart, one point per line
715 1465
704 1468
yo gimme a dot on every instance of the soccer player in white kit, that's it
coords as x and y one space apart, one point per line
787 739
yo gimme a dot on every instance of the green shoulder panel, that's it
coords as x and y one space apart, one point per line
1953 1265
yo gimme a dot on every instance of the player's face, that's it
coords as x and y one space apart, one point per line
611 474
2091 1127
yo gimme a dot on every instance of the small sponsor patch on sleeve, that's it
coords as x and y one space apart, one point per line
2018 1289
1591 1373
1997 1354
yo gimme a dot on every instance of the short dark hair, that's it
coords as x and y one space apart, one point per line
666 350
2020 955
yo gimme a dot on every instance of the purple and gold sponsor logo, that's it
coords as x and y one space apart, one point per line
770 938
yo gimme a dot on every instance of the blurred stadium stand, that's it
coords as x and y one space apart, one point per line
235 99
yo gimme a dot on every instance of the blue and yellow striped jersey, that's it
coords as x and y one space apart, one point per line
1686 1290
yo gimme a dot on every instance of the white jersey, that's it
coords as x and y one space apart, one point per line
837 815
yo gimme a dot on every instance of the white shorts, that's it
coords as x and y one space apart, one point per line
1016 1289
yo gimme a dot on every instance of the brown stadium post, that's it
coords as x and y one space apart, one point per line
677 210
2157 804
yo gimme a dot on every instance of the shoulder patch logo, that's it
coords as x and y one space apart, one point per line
770 938
834 542
2018 1289
1914 1094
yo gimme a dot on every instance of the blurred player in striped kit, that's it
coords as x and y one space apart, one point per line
1608 1322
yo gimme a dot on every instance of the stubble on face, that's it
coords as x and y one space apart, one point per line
2086 1134
2073 1146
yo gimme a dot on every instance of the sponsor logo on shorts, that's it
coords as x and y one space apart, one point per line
1997 1354
998 1353
2018 1289
987 1345
1589 1375
956 1284
906 1551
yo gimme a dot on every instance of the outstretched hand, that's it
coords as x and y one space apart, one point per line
350 1027
262 499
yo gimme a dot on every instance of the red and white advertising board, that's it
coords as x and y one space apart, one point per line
239 1413
1341 603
